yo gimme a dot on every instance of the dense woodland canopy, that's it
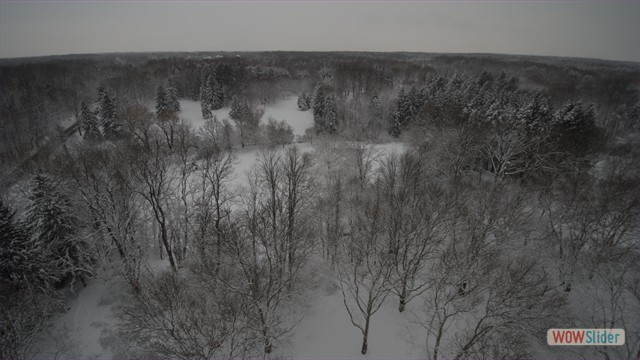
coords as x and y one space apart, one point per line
515 200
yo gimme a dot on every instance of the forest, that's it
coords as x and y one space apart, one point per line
281 204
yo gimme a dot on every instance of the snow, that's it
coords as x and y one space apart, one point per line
192 112
327 332
80 331
285 109
288 111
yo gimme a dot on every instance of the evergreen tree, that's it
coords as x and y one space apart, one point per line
318 105
108 113
535 116
205 97
399 115
89 122
217 95
21 259
239 110
574 127
325 110
330 121
171 94
53 224
304 101
162 107
206 111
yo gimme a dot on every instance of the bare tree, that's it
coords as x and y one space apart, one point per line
153 171
213 193
586 215
414 220
26 318
171 318
517 300
365 271
106 188
613 291
331 219
263 245
456 288
299 197
185 149
247 118
365 155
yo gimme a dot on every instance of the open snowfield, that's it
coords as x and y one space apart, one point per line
285 109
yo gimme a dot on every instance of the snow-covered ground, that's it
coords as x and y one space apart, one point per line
83 331
88 317
285 109
327 332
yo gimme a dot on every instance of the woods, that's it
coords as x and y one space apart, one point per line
441 191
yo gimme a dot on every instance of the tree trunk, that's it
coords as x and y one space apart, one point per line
403 296
438 338
365 336
167 246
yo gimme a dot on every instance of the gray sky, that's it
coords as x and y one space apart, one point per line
594 29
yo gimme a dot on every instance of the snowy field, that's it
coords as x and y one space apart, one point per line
285 109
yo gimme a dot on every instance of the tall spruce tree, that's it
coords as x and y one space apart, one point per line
108 113
162 107
217 95
89 122
54 226
171 94
22 260
330 121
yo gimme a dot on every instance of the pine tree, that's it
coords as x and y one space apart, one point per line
108 113
319 107
53 225
21 259
535 116
217 95
239 110
162 107
206 111
89 123
399 115
304 101
574 127
173 103
205 97
330 114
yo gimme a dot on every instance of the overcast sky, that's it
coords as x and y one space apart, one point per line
593 29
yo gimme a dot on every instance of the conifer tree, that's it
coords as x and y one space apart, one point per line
21 259
54 226
304 101
330 114
162 106
89 123
171 95
108 113
217 95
